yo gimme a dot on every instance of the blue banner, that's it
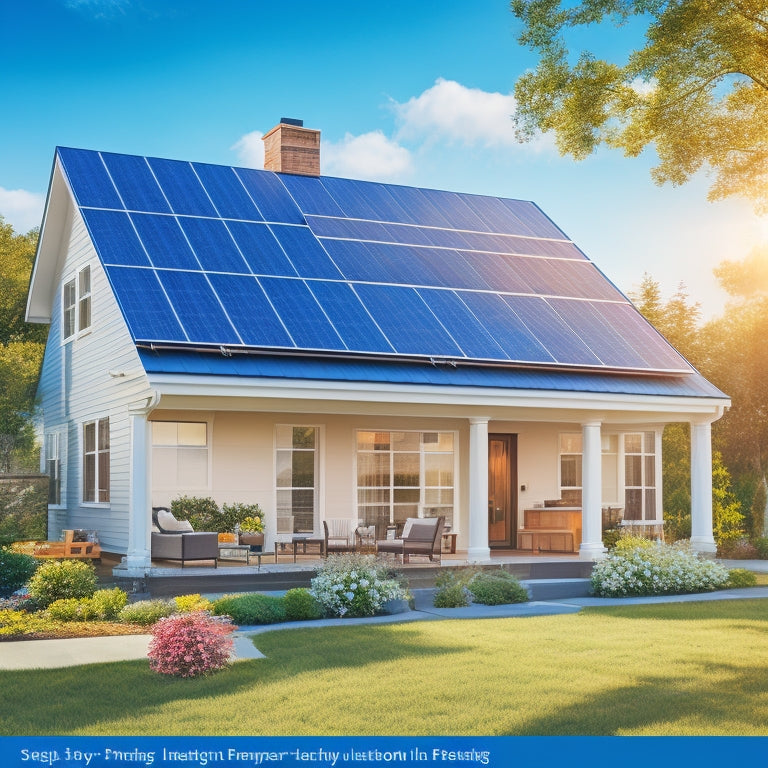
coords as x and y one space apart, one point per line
356 752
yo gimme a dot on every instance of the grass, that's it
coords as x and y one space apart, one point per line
664 669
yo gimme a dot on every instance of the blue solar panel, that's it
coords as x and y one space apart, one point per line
198 308
467 331
261 250
507 329
305 252
606 341
164 241
305 320
182 187
220 255
406 321
145 305
90 181
227 192
310 195
250 312
561 342
213 245
136 183
271 197
115 238
348 316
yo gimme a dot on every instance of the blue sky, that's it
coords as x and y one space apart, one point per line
407 92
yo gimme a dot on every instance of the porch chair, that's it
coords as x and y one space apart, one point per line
339 535
174 539
421 536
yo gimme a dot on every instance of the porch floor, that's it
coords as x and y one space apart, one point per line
167 578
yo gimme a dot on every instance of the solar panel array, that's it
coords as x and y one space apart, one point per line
200 254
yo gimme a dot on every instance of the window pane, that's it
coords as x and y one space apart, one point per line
89 437
85 313
284 436
85 281
650 471
104 434
303 469
438 496
406 495
404 441
89 477
633 470
104 476
192 467
283 469
633 443
406 469
570 443
373 495
438 469
303 437
164 433
192 433
650 504
633 500
373 469
570 471
650 442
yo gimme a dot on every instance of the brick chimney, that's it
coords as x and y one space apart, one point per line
291 148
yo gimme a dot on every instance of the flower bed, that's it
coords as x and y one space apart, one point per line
659 569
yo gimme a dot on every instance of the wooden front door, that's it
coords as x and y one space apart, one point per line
502 491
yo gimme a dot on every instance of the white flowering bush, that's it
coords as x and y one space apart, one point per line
660 569
354 585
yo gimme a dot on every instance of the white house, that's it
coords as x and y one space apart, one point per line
335 348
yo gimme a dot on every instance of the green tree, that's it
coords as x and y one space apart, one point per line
21 346
697 89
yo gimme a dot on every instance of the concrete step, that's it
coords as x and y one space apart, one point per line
557 589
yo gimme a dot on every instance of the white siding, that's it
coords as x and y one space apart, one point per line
76 386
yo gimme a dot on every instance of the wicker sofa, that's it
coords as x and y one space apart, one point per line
174 539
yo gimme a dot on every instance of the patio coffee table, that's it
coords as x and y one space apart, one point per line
238 552
298 546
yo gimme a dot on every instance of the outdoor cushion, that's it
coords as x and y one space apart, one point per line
167 523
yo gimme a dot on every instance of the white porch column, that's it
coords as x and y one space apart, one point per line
478 548
138 559
702 539
591 493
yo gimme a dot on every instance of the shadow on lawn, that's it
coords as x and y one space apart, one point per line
716 701
90 695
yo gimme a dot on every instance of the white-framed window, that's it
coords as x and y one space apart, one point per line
180 455
53 467
296 478
76 304
640 476
403 474
629 472
96 461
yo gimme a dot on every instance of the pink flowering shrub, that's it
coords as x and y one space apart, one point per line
190 644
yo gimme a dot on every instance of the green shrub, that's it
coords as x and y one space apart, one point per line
761 547
15 570
238 512
453 595
250 608
741 577
203 513
15 623
191 603
497 588
147 612
66 609
56 580
629 542
300 605
106 604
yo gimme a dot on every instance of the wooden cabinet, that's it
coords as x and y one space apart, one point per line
550 530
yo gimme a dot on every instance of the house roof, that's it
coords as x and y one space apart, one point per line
205 257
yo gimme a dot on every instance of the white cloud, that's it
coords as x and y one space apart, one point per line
22 209
250 149
452 112
367 156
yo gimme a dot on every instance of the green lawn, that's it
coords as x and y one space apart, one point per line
690 668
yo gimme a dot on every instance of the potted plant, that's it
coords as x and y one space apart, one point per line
252 532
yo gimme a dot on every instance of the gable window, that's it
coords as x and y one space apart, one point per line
76 303
179 455
404 474
296 478
96 461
